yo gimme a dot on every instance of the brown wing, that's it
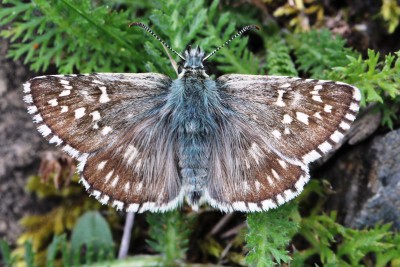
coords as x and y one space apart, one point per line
277 126
111 124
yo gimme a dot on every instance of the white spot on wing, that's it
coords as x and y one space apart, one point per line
71 151
133 207
318 87
280 199
55 139
328 108
79 113
32 109
325 147
255 152
108 176
317 98
27 87
354 107
53 102
344 126
350 117
317 115
268 204
279 101
106 130
65 93
104 200
282 163
285 85
65 82
276 133
37 118
101 165
119 205
311 156
336 136
96 194
127 186
82 162
302 117
275 174
96 115
239 206
356 94
64 109
287 119
97 81
104 96
44 130
28 99
115 181
85 183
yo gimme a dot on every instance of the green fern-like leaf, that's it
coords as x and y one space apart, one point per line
318 51
269 233
336 245
169 235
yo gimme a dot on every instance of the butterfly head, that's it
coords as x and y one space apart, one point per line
194 58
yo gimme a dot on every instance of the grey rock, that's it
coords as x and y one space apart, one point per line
367 182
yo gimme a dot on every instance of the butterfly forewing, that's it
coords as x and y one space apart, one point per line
85 111
300 118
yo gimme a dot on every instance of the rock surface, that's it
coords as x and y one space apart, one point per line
367 181
20 143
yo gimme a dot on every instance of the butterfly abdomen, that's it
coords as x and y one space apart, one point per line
195 121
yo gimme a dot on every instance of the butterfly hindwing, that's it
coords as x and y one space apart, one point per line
247 174
138 172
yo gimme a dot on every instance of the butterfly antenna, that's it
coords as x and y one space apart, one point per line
144 26
245 29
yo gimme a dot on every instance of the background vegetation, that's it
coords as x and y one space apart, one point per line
71 36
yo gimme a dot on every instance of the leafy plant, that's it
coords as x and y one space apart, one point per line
268 235
336 245
390 11
169 235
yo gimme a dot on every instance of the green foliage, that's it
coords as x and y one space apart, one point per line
336 245
40 229
269 233
278 57
92 230
317 52
169 235
5 250
71 34
390 11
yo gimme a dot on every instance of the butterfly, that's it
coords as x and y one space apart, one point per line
146 142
